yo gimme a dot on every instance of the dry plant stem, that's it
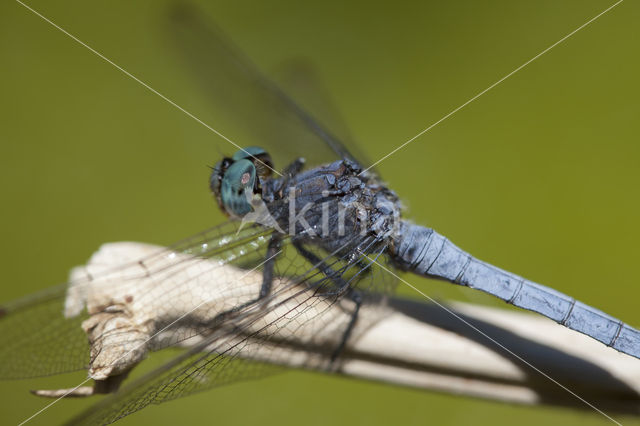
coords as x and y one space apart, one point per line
407 343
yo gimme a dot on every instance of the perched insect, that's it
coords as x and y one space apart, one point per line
303 241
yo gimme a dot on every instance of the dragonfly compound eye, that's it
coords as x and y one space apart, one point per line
215 180
237 187
258 156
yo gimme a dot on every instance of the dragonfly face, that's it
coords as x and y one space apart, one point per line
234 181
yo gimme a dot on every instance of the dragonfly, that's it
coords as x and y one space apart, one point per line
323 233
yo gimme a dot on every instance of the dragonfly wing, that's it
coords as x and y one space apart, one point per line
300 79
37 340
187 373
298 324
46 333
247 98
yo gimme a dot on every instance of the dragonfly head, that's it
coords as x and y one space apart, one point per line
234 181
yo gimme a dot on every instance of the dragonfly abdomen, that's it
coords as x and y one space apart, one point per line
425 252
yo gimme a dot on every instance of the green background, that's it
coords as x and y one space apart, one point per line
540 175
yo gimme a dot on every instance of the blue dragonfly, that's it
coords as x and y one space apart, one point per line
347 232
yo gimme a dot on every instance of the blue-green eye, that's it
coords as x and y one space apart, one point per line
258 156
235 180
237 187
248 152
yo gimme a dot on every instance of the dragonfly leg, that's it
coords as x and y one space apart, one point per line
267 281
356 297
289 172
294 168
342 288
267 275
334 276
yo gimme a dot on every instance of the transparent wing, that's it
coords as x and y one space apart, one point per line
299 324
37 340
43 334
301 80
251 103
188 373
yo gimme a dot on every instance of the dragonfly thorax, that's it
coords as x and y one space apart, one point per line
331 203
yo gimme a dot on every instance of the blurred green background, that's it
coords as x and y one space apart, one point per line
540 175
